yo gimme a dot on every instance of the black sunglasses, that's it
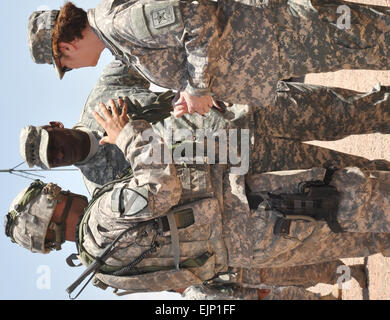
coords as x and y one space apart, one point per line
66 69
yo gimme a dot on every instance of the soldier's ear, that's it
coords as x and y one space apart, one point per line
67 47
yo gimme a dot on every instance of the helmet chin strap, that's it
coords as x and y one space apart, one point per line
59 228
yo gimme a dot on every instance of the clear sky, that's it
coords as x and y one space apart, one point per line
32 94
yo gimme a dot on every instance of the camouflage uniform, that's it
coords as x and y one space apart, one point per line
108 162
160 186
287 283
361 210
303 275
235 51
234 292
301 112
224 232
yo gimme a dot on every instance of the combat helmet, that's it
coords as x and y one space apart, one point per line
29 217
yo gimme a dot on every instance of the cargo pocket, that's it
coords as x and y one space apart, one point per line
196 182
267 245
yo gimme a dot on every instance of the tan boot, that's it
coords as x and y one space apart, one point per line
336 294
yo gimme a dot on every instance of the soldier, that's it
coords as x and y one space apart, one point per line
152 231
54 225
53 145
231 51
300 113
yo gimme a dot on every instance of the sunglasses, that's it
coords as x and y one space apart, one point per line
66 69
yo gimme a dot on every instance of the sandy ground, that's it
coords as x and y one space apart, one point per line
371 146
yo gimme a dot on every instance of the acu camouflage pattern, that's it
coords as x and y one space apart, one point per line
238 52
30 224
291 293
219 292
190 57
300 112
314 113
117 80
303 112
365 194
287 283
255 3
33 144
303 275
314 38
235 292
164 191
277 251
40 29
248 236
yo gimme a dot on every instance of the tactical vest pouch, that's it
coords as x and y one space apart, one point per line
193 271
183 218
196 182
156 281
187 216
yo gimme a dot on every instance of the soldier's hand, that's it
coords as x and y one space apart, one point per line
190 104
113 123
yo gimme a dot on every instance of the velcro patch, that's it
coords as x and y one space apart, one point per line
163 17
133 202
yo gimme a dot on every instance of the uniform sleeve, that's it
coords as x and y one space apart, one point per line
120 80
152 167
161 25
117 80
197 37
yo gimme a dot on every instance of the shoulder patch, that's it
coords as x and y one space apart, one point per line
146 20
133 201
163 17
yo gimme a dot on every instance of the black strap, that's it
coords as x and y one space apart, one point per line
254 201
66 212
61 227
316 199
101 259
71 258
129 269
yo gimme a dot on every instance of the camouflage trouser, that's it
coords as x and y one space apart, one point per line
327 35
234 292
363 213
304 276
305 112
277 283
290 293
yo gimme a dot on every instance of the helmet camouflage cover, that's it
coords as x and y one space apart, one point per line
29 217
40 30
